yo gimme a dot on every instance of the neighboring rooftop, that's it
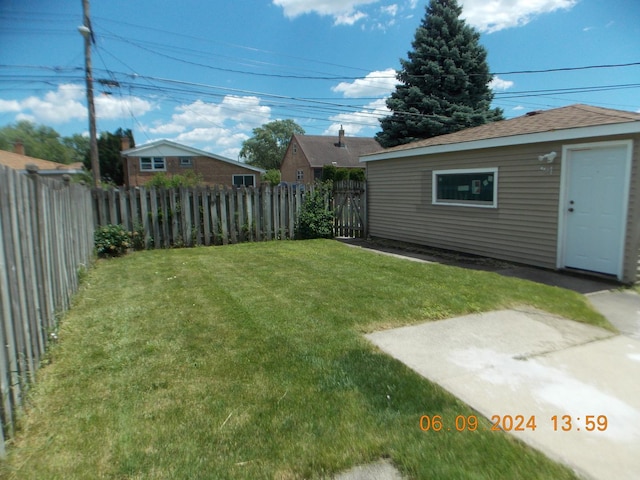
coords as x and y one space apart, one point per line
321 150
537 122
168 148
45 167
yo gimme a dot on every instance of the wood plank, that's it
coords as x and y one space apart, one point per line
231 214
214 207
224 217
125 217
174 202
197 217
242 221
155 221
144 216
185 208
166 220
257 218
206 215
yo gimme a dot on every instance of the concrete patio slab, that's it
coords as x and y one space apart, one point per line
531 364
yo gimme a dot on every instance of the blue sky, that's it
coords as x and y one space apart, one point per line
206 73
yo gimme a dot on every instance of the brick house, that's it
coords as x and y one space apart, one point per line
307 154
140 164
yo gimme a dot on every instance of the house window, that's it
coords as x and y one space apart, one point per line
151 164
244 180
295 148
475 187
300 175
186 161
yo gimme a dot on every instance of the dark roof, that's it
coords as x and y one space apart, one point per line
323 150
572 116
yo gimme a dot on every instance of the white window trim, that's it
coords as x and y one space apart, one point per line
186 161
153 165
299 175
458 203
233 182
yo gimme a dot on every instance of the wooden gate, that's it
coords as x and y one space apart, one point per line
350 209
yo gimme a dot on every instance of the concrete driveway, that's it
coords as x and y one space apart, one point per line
529 363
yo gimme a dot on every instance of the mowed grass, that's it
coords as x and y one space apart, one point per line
248 362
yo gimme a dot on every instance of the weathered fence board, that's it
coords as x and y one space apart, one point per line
46 235
222 215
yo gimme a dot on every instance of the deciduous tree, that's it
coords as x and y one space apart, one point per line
269 142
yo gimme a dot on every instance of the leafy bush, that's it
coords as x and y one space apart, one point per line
357 174
272 176
315 219
162 180
137 237
329 172
336 174
111 241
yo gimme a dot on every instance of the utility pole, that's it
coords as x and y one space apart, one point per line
87 33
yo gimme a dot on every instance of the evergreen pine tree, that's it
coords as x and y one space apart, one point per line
444 83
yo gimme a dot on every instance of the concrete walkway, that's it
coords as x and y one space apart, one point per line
529 363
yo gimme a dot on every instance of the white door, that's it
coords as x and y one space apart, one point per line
595 205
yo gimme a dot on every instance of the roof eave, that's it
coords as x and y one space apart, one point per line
513 140
134 152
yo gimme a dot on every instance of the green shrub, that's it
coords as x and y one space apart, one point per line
329 172
272 177
111 241
337 174
315 219
357 174
137 237
162 180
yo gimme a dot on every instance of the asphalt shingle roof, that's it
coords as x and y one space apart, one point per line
572 116
20 162
322 150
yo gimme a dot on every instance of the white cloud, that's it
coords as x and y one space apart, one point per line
246 112
493 15
109 107
226 141
221 126
9 106
348 18
67 103
166 129
353 123
344 12
58 106
498 83
391 10
375 84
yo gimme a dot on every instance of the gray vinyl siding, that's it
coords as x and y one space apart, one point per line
524 226
632 240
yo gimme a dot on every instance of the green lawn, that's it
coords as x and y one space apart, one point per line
248 361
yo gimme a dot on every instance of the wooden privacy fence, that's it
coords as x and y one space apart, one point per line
46 238
163 218
349 204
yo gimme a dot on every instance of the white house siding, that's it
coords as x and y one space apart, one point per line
523 228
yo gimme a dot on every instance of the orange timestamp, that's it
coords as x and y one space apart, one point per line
509 423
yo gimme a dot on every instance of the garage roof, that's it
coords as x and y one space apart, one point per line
571 122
